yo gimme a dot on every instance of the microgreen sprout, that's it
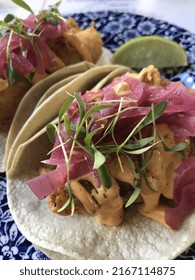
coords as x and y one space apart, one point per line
23 5
70 201
93 142
13 75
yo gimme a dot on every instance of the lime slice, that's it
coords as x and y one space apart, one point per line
143 51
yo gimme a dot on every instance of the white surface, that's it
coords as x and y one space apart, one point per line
179 12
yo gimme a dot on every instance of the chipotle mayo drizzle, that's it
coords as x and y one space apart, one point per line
107 204
160 175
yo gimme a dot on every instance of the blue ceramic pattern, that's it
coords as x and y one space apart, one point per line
116 28
13 245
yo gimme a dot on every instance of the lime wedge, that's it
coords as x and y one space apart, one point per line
143 51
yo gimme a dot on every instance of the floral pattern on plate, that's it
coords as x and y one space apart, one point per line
13 245
116 28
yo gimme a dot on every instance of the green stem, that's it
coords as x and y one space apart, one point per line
104 176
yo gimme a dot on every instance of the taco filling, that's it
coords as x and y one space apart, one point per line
129 142
33 48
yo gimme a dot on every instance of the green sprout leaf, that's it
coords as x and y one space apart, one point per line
63 110
23 5
82 106
67 125
139 143
142 150
65 205
154 114
50 128
72 205
9 18
96 109
81 132
70 201
145 162
177 148
99 159
58 3
51 20
52 14
13 75
89 136
104 175
133 197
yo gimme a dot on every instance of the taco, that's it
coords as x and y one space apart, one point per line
32 98
38 118
35 47
117 165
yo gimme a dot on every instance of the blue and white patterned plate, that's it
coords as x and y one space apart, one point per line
116 28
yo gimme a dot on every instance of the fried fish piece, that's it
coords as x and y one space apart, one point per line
10 98
77 45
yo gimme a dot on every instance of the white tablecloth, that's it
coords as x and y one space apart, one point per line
178 12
